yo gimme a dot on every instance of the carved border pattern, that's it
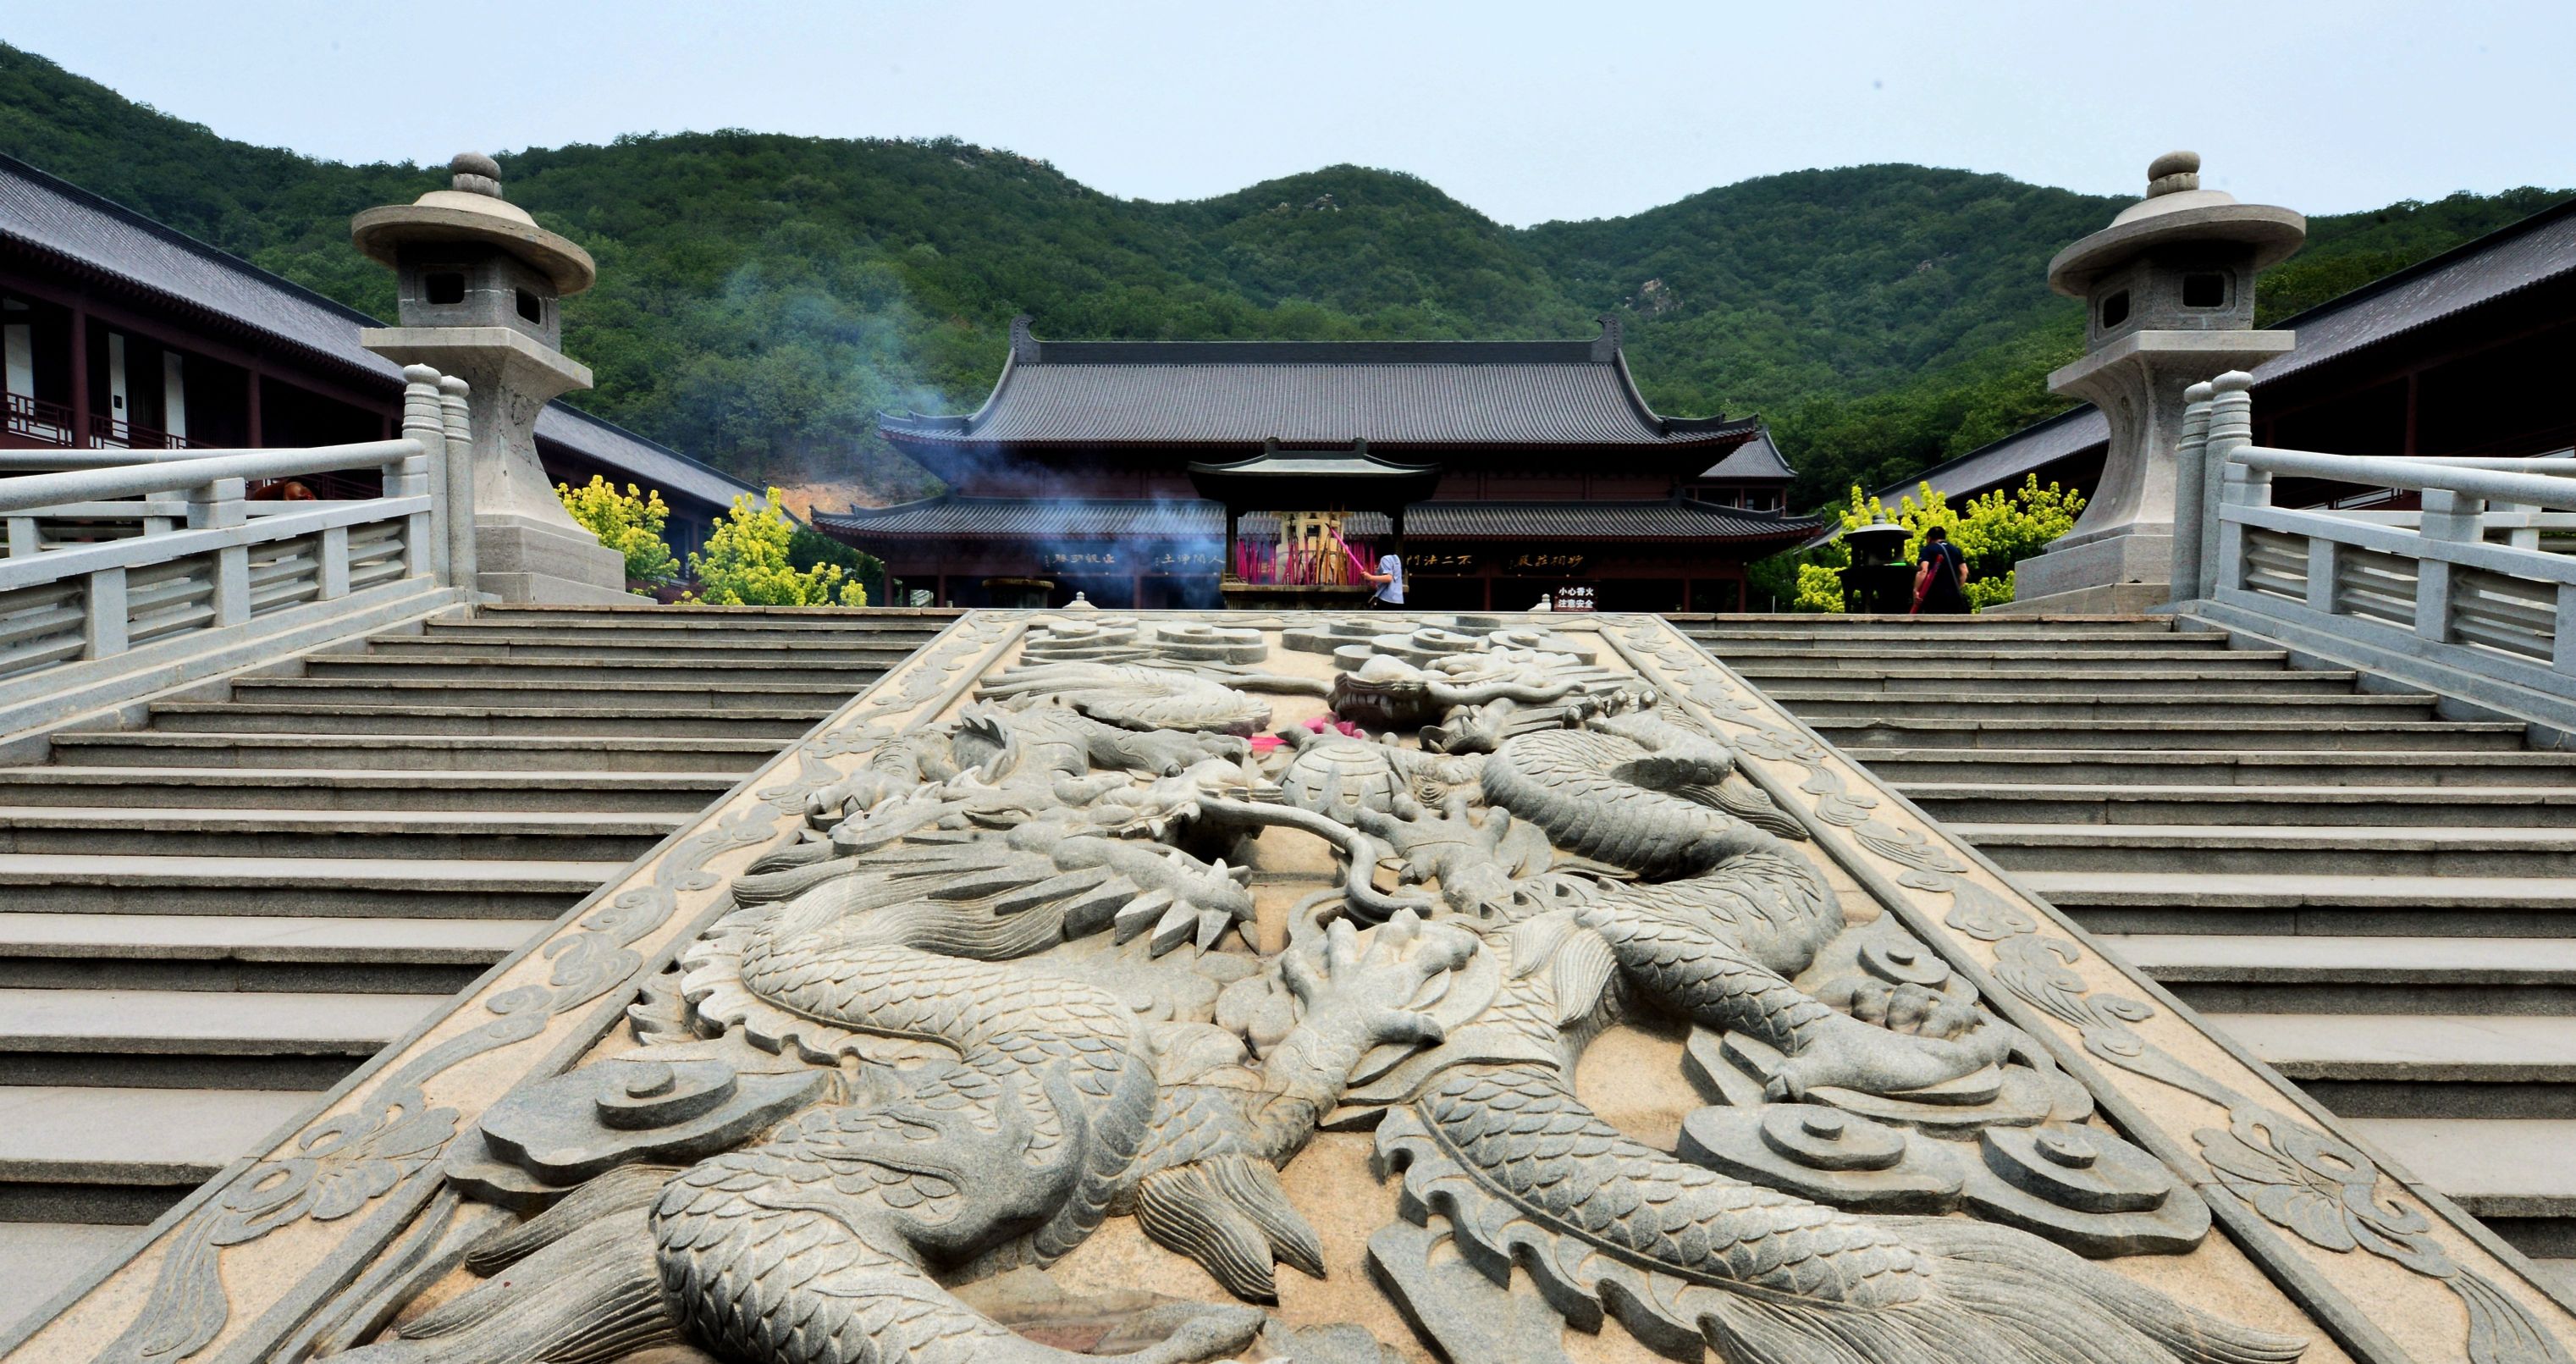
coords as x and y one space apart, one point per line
2321 1189
348 1162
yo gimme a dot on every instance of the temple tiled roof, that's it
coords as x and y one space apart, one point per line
1014 518
1388 393
2535 251
71 225
1010 518
2008 461
1755 460
1663 519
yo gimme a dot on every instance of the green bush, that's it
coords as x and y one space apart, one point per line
1993 533
630 522
748 563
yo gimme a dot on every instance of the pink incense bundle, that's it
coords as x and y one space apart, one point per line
1356 565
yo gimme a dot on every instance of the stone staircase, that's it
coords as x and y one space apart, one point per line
207 919
2378 901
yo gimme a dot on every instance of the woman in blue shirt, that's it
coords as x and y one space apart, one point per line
1390 582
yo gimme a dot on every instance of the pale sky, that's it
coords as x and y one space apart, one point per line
1527 112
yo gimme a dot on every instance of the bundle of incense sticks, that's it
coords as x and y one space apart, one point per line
1356 565
1289 564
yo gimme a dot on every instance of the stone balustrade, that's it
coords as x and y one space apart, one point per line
128 572
2470 595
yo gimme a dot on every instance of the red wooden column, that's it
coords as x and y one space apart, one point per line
250 430
80 379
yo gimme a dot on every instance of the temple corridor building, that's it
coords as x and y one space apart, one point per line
118 332
1549 475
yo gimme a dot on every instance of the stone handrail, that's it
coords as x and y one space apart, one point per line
103 598
201 469
2434 603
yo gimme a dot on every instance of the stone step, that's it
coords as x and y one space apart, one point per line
2135 620
2276 848
2075 657
2559 1273
2321 905
727 695
2516 1175
330 788
2530 807
2419 1065
41 1259
1911 632
520 643
722 667
2294 974
2178 708
413 752
85 831
2171 767
776 723
718 621
1936 676
112 1155
299 886
194 1039
57 951
2266 733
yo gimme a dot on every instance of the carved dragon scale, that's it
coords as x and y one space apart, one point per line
1031 968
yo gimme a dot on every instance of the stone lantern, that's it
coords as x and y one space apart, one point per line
2168 290
481 289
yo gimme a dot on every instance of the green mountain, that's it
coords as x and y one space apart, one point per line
761 295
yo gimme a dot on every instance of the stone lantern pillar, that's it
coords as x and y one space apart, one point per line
481 286
2168 290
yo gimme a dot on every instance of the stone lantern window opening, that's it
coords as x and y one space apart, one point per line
443 288
2204 289
2115 309
531 307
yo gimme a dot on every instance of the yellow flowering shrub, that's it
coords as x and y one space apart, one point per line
747 564
630 522
1993 531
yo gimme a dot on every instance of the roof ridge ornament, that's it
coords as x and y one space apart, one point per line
1024 342
1605 347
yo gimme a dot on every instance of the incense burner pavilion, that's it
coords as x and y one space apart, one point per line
1151 474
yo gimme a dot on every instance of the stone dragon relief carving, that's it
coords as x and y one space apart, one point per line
1030 969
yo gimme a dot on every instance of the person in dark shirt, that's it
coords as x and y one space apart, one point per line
1941 585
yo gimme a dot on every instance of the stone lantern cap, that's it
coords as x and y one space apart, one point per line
2177 211
472 210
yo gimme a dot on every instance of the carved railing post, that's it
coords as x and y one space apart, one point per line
2192 504
2453 516
218 506
459 473
2562 645
103 610
2231 428
2325 569
425 538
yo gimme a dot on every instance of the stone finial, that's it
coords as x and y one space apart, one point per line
475 173
2172 173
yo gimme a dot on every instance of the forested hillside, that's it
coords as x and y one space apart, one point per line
761 295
